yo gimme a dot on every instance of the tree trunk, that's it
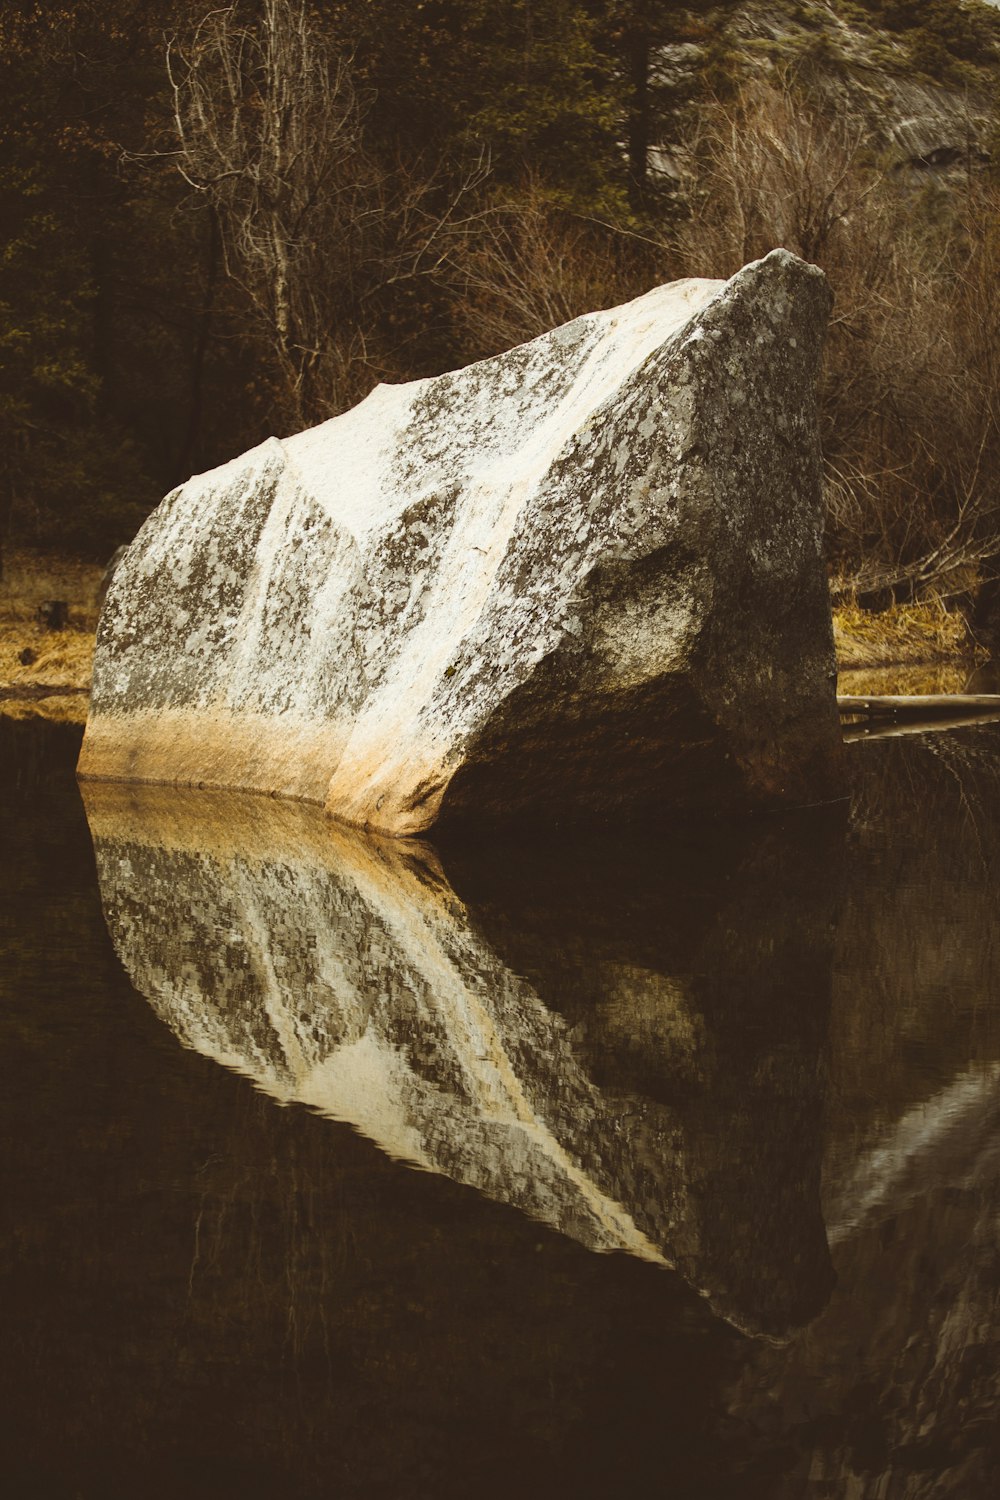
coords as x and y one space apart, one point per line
637 51
192 437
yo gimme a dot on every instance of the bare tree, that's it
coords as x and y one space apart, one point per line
529 263
269 130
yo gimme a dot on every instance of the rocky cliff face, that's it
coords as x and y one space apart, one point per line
929 114
581 578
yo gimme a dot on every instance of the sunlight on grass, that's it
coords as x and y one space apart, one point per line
907 634
30 654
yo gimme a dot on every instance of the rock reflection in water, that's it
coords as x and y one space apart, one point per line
624 1043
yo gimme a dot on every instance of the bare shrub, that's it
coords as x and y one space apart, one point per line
909 395
767 171
528 264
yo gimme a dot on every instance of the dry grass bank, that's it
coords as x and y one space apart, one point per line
33 657
906 635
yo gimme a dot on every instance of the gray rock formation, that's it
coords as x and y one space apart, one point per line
922 128
583 578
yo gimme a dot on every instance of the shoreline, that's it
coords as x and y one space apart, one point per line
31 692
914 648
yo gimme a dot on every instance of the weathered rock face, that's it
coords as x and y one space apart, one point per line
581 578
922 129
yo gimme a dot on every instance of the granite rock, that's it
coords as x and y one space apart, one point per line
580 579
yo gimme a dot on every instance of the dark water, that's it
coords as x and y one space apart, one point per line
670 1167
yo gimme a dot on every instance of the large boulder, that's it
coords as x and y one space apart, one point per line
583 578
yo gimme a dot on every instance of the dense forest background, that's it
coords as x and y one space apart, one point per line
224 224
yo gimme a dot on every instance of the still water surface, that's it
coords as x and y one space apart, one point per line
341 1168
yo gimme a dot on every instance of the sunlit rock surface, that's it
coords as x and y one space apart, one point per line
570 1068
583 578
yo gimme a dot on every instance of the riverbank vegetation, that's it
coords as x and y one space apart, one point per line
39 650
227 223
920 632
48 616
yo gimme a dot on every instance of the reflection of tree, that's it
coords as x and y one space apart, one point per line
972 765
915 954
916 958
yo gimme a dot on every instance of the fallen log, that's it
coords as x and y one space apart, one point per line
920 706
884 729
